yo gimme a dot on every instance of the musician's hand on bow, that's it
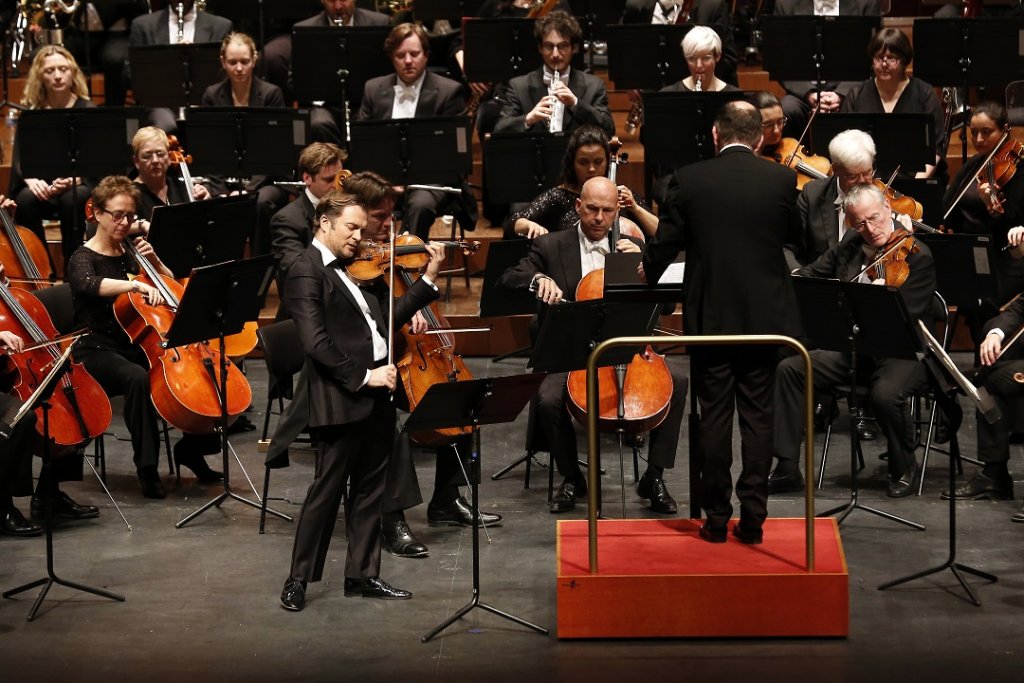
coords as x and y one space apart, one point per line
990 348
561 91
200 191
418 324
436 252
385 376
624 246
541 111
151 293
11 341
547 290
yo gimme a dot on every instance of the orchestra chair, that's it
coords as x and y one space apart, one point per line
457 232
282 352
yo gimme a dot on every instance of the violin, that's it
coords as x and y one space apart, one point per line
373 259
24 255
808 166
998 170
891 263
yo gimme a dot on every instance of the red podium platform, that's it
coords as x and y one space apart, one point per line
659 579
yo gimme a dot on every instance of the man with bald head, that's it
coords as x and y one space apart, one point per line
732 215
554 266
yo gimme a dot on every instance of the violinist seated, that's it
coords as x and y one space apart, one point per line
773 122
159 185
555 265
993 481
99 272
802 97
587 156
820 203
891 91
891 381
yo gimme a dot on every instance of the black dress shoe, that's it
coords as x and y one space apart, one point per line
197 464
983 486
903 486
374 587
15 524
783 483
748 536
1018 516
654 489
63 508
457 513
151 484
399 541
712 534
241 424
293 596
565 499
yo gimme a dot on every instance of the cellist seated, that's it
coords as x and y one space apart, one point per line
891 381
554 266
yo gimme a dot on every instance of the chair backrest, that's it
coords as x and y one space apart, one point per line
282 350
1015 102
58 304
940 313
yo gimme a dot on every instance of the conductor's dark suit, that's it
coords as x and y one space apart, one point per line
732 215
354 426
522 94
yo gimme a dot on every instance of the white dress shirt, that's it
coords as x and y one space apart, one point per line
826 8
591 253
406 98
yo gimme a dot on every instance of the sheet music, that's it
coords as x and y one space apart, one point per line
936 348
673 274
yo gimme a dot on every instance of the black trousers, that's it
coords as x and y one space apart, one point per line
994 439
891 383
15 454
740 379
403 486
358 452
68 207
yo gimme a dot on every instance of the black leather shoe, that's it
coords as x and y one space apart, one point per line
748 536
565 499
712 534
63 508
983 486
1018 516
654 489
14 523
241 424
151 485
198 466
458 513
783 483
293 596
374 587
399 541
903 486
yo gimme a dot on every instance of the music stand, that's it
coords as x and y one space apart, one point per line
173 76
197 234
904 141
351 54
963 267
240 12
40 399
433 150
451 11
677 126
497 50
217 302
474 403
966 52
857 319
947 381
520 165
646 56
246 141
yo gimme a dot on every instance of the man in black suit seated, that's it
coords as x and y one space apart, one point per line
414 92
993 480
820 204
714 13
892 381
344 333
530 100
802 96
554 266
731 215
162 28
277 53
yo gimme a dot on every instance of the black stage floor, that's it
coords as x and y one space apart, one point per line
202 601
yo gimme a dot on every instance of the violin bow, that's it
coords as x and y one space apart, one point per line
800 141
974 178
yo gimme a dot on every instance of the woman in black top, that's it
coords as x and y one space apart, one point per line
159 183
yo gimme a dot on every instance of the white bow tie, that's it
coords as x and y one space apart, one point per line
599 247
564 77
405 93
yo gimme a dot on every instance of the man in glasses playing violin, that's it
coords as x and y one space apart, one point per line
891 381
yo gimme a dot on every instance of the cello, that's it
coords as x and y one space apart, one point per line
79 408
24 255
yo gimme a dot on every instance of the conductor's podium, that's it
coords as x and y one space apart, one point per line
659 579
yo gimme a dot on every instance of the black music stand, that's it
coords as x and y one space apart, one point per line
474 403
646 56
497 50
904 141
173 76
520 165
433 150
246 141
240 12
963 267
196 234
495 303
451 11
217 302
966 52
947 381
596 18
349 56
856 319
677 126
40 399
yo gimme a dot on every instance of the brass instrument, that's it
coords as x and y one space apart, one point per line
394 6
50 16
635 117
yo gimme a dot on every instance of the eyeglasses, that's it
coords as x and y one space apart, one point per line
873 219
862 177
780 123
149 156
118 216
891 60
701 59
550 47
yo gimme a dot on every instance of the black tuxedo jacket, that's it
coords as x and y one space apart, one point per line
362 17
439 96
291 231
336 339
732 215
153 28
261 94
520 95
819 222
